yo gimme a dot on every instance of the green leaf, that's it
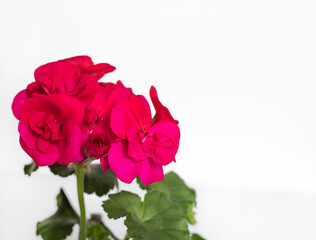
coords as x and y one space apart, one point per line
179 193
190 214
98 232
29 168
122 203
61 170
142 185
99 182
196 237
97 229
59 225
156 218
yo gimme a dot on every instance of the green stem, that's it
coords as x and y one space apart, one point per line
80 181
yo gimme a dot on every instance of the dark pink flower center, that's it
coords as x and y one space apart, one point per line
47 126
98 144
142 135
99 141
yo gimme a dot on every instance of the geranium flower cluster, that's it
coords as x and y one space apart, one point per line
67 115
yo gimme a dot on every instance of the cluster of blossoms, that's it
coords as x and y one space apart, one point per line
67 116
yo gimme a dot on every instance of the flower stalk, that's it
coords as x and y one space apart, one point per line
80 185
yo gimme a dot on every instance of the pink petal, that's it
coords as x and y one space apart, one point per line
151 172
59 105
107 96
17 103
86 66
70 146
124 167
99 70
29 138
141 110
85 89
64 106
41 159
162 113
37 119
90 117
130 112
31 106
163 142
101 95
53 76
120 84
135 149
105 163
34 88
122 118
81 62
105 112
114 97
44 146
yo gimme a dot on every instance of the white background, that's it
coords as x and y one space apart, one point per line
240 76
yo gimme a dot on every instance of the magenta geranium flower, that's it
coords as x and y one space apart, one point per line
143 148
67 115
50 129
77 76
